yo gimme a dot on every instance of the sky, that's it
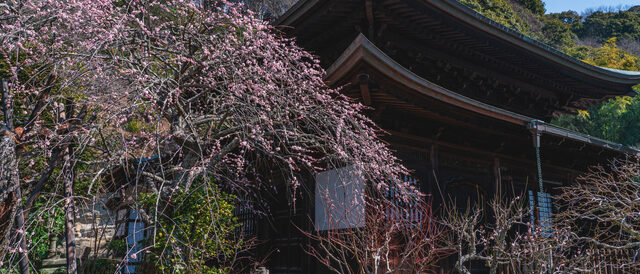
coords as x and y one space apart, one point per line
582 5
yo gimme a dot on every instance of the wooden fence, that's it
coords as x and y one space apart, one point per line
604 261
609 261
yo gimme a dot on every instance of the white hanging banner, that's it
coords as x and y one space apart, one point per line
339 199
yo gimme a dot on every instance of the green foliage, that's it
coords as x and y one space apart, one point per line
617 120
196 231
137 126
118 247
133 126
600 26
623 24
499 11
563 30
568 17
4 270
558 29
535 6
32 77
609 55
84 179
101 265
48 223
558 34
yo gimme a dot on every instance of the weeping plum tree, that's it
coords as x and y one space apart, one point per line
214 95
45 113
237 104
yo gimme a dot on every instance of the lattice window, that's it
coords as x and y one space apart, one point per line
135 235
404 210
541 211
246 219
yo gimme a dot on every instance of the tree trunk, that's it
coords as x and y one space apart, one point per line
21 233
69 177
10 194
7 184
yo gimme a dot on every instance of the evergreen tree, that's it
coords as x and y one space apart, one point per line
535 6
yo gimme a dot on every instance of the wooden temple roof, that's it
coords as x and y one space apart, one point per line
460 50
405 90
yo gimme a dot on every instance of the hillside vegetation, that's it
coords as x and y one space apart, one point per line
602 38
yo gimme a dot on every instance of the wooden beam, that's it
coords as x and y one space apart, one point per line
462 119
364 88
489 154
368 5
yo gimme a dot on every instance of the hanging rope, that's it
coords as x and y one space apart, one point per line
539 163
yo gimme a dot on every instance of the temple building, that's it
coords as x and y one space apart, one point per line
467 103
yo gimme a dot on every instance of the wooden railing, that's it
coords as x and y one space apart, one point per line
609 261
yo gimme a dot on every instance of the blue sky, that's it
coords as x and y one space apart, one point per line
581 5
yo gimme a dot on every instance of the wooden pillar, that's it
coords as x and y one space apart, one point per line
497 176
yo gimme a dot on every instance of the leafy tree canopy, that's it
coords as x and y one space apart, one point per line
609 55
535 6
617 119
499 11
623 24
558 33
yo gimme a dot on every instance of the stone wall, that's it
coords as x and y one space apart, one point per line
95 227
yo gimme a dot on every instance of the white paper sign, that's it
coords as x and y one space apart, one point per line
339 199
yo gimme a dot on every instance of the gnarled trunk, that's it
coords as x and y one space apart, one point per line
10 195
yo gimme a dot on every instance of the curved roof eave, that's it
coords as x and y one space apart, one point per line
361 49
468 15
